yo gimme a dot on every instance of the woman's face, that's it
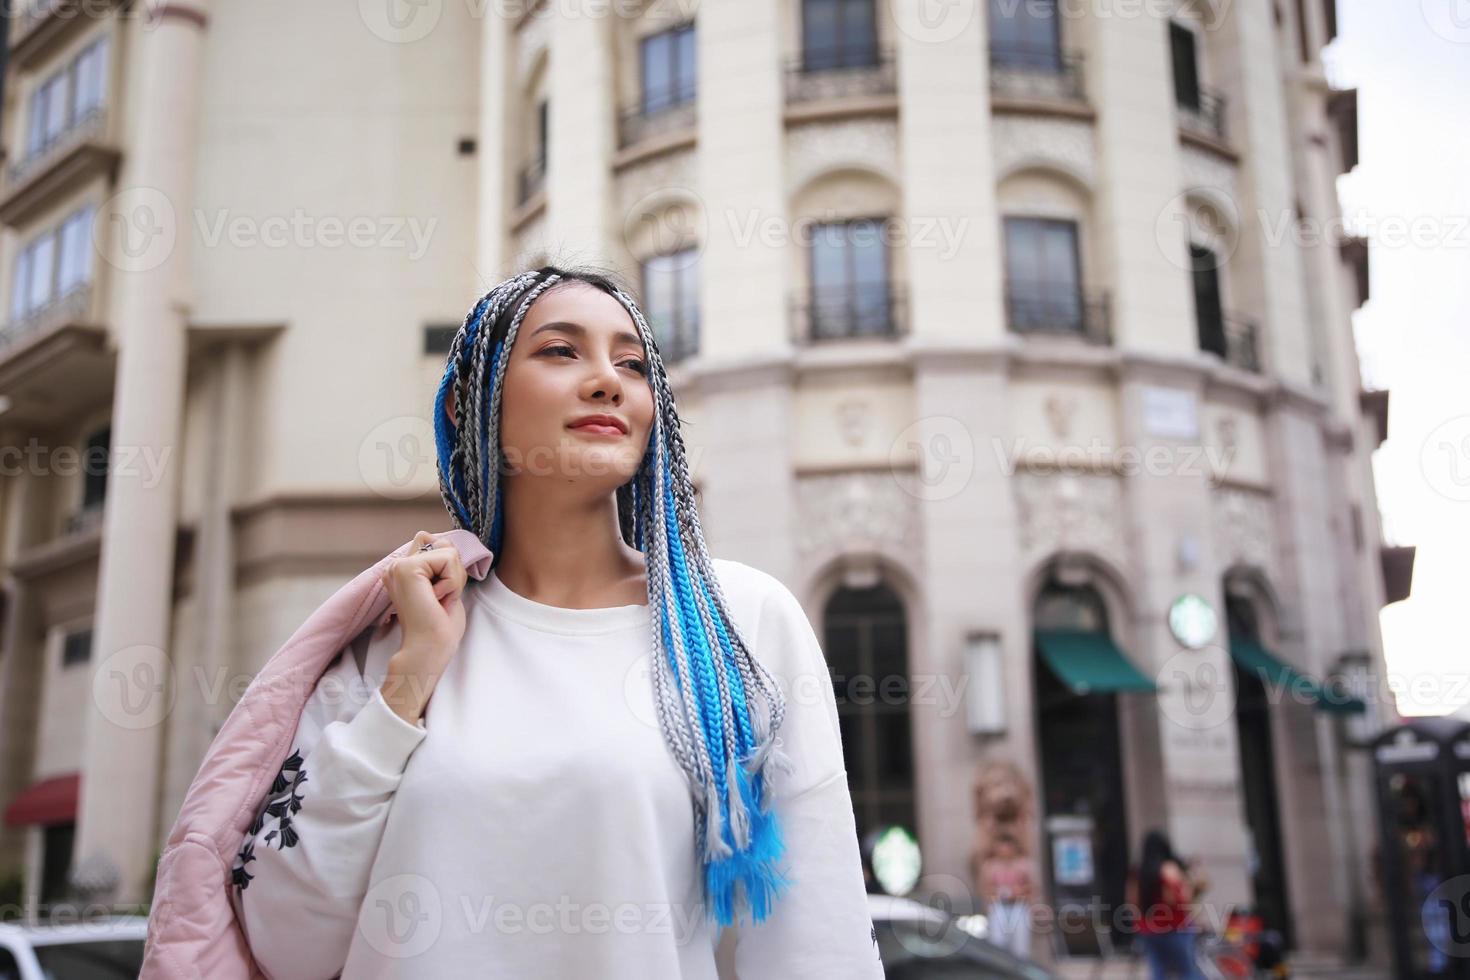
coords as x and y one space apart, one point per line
577 353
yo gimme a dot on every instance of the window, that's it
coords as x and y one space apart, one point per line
76 647
541 138
667 60
95 458
1209 316
838 34
67 97
75 267
865 638
1025 35
1043 275
1186 66
52 264
671 302
849 280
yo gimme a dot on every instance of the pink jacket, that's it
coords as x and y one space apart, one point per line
192 929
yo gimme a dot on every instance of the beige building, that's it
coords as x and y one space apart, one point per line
996 330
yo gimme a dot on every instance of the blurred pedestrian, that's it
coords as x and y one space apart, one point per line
1008 887
1164 894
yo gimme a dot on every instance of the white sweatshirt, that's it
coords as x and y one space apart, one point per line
534 823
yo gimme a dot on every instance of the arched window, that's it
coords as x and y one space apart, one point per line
866 642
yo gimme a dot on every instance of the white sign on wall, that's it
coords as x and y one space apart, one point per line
1171 413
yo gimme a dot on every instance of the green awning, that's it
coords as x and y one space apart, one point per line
1089 663
1283 679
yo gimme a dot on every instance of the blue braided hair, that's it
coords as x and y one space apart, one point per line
718 707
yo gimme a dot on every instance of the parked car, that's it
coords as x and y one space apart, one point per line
920 942
99 949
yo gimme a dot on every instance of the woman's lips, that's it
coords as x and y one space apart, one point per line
596 428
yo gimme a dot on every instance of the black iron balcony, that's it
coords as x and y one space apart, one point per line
1234 339
531 179
656 114
838 73
1041 74
1204 115
1058 309
849 311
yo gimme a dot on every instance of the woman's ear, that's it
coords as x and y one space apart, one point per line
449 405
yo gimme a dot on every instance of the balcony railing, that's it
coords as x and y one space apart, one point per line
851 311
656 114
840 73
1207 118
1234 339
531 179
90 125
1021 72
1059 309
73 306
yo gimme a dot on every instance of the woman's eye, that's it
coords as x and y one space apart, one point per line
559 347
640 366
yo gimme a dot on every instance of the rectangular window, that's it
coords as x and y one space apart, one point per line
56 105
1209 315
671 302
39 288
838 34
94 461
849 280
1186 66
75 268
1025 35
91 78
1043 275
19 285
667 60
76 647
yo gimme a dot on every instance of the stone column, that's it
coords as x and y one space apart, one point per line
741 169
118 822
581 127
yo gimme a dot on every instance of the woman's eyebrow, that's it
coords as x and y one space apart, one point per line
578 330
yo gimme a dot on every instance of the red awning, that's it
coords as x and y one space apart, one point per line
50 801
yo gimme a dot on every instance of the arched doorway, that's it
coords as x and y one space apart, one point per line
1078 673
1258 774
866 642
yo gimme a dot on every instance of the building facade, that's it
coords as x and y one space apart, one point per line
994 329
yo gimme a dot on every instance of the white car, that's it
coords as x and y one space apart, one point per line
97 949
922 942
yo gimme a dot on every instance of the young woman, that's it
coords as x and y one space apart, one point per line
591 761
1165 894
1008 886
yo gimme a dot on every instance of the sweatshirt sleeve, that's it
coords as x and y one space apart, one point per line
302 871
821 926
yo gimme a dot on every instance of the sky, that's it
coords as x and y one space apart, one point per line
1410 62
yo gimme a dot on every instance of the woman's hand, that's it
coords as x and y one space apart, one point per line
425 589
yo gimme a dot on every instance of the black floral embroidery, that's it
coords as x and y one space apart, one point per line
284 800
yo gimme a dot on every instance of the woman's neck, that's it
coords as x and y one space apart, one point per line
568 553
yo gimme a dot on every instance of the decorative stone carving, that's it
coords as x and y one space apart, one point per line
1201 168
870 144
1005 804
1069 512
840 511
1018 142
1242 530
